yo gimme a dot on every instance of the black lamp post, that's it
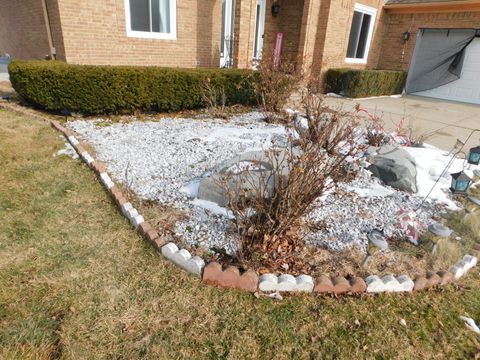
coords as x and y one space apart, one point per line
460 183
474 156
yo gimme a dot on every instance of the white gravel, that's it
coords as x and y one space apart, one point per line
166 158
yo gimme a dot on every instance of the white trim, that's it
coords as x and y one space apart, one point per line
172 35
369 11
261 29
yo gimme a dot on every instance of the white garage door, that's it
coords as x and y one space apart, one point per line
467 88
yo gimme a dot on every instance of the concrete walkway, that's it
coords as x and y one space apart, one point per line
443 122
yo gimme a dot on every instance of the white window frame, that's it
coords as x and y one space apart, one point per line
373 13
172 35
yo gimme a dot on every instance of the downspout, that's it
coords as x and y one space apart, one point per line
53 52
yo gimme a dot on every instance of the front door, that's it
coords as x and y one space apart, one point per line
227 36
259 30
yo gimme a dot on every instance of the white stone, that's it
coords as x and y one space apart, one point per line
286 283
106 180
126 208
137 220
73 140
463 266
405 284
169 250
183 259
305 283
390 283
268 283
374 284
87 158
131 213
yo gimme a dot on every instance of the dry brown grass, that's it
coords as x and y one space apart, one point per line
76 282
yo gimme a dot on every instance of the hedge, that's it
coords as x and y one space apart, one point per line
90 90
363 83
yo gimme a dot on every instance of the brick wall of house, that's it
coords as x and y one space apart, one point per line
94 32
289 22
22 29
334 31
396 53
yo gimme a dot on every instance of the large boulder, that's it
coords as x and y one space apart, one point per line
395 167
247 174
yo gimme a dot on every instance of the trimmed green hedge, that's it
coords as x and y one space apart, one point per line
86 89
363 83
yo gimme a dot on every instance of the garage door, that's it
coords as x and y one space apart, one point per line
467 88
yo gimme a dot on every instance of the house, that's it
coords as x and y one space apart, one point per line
319 34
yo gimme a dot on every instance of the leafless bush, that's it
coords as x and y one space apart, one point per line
214 98
270 199
273 85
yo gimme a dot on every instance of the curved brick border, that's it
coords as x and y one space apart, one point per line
231 277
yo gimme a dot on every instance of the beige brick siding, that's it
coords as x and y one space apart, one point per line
94 32
396 54
22 29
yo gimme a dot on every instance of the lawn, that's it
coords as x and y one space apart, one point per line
77 282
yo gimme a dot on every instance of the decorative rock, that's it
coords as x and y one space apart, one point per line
440 230
389 284
463 266
374 284
395 167
126 207
421 283
340 285
137 220
87 158
323 285
433 279
73 140
286 283
230 278
405 284
106 181
357 285
183 258
445 276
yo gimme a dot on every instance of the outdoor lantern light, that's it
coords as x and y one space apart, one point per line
275 8
474 156
460 183
439 232
406 36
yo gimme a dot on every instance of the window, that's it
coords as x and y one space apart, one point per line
361 34
155 19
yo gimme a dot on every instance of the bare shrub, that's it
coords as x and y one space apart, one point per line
273 85
270 199
214 98
375 129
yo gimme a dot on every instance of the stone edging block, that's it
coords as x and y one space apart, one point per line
230 277
463 266
106 181
183 258
286 283
389 283
339 285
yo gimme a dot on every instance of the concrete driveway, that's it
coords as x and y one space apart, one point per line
443 122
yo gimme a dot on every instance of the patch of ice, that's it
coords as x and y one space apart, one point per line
213 208
372 189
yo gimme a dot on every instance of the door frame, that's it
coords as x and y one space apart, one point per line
259 34
227 35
